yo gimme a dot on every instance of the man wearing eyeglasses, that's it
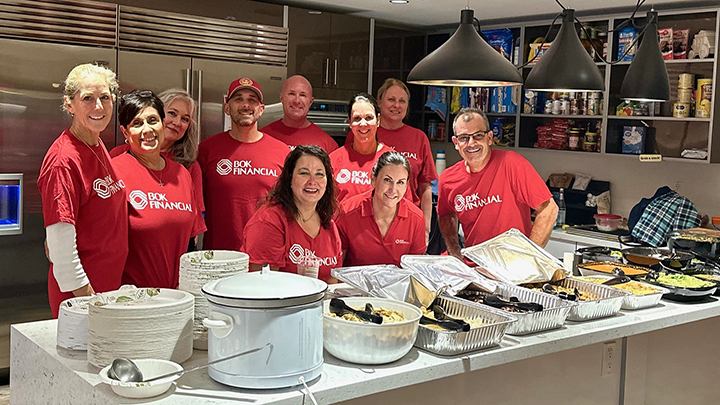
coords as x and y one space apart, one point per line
490 191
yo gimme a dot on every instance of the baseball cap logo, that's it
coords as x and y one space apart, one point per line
245 81
138 199
224 167
459 203
343 176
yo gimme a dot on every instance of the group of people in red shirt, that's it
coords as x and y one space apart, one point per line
129 219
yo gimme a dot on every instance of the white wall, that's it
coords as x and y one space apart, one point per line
629 179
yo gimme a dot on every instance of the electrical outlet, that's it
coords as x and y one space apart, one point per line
611 359
678 185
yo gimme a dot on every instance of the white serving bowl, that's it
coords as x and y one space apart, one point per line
369 343
150 368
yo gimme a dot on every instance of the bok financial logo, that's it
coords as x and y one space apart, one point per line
472 201
107 187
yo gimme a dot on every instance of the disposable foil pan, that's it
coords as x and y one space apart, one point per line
608 304
633 301
451 343
555 310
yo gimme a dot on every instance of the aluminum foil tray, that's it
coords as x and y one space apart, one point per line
608 304
553 316
633 301
452 343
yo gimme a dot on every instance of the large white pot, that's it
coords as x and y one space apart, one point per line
250 310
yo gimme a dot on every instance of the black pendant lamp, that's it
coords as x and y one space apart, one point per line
566 66
647 79
465 60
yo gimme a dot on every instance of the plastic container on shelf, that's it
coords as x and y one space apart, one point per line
440 161
607 222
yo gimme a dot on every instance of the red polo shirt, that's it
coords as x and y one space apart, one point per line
271 237
361 238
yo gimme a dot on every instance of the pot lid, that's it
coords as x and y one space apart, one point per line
255 288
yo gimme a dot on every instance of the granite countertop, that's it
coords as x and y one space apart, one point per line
44 370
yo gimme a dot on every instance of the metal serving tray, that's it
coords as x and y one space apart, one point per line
633 301
608 304
555 310
451 343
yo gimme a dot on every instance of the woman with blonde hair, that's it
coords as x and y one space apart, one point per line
394 97
84 201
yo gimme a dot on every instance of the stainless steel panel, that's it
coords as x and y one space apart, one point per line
217 76
197 36
70 21
31 76
147 71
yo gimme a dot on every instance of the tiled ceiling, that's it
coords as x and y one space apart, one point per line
427 13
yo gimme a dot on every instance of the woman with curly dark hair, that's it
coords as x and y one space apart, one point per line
293 230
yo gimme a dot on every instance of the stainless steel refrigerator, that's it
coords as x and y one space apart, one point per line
32 70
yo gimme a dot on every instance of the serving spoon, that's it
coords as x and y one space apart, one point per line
126 370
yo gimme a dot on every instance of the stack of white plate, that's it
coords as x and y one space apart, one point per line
199 268
140 323
73 323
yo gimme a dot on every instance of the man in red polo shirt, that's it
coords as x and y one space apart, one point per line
239 167
490 191
294 128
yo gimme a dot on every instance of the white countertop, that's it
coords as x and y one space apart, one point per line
45 371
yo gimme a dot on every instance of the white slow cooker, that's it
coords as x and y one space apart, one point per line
249 310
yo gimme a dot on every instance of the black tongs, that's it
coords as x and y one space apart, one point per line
444 321
497 302
550 289
620 277
340 308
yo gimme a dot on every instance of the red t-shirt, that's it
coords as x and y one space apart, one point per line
271 237
361 238
492 201
353 171
79 186
235 176
414 145
194 169
311 135
162 220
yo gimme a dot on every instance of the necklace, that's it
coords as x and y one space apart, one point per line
107 172
151 171
309 218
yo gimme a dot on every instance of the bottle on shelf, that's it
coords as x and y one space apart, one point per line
561 210
586 42
440 161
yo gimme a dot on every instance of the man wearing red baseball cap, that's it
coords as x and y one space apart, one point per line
239 167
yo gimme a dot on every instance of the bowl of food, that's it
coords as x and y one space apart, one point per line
682 286
150 368
355 340
607 222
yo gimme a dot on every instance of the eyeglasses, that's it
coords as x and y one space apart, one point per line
478 136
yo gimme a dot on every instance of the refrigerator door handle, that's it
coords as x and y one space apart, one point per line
187 74
336 73
327 71
199 102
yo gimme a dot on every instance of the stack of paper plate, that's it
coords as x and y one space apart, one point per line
73 323
140 323
199 268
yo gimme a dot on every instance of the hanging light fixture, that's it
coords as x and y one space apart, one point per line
465 60
566 66
646 79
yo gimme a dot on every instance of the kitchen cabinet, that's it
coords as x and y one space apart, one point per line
396 52
671 135
331 50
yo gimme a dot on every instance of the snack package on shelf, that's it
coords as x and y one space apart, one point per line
666 42
680 43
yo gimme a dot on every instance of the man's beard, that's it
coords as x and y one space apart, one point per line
242 120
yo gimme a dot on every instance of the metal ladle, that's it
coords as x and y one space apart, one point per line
126 370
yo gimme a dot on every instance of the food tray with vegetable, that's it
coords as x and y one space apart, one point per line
682 287
642 295
448 343
593 300
552 315
607 268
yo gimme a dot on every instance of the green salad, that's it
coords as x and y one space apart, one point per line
682 280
